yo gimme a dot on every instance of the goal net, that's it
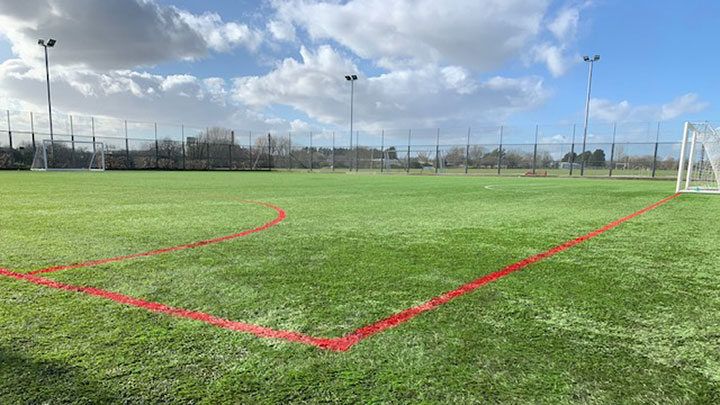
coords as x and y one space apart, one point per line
69 155
699 168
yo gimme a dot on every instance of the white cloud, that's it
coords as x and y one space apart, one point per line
623 111
281 30
482 35
565 24
220 36
117 34
555 54
130 94
428 95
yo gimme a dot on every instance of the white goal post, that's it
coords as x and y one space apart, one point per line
699 165
69 155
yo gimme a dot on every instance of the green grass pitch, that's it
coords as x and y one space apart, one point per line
631 316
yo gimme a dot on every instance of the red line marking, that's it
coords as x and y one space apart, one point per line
337 344
281 216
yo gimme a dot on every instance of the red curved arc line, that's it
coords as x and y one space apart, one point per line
337 344
281 216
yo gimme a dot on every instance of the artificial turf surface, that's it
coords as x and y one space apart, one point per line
632 315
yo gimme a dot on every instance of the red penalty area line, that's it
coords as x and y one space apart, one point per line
280 217
342 343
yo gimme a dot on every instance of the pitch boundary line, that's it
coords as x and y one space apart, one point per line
336 344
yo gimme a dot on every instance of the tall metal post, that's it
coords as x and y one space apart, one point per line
467 151
311 152
47 77
357 150
332 166
657 140
500 149
352 102
612 150
351 79
92 128
587 109
535 150
250 163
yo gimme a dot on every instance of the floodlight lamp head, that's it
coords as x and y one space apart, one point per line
51 42
347 78
354 77
586 58
41 42
597 57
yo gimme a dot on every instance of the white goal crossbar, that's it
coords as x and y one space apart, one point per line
69 155
699 164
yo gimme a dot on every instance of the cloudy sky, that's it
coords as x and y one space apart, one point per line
280 64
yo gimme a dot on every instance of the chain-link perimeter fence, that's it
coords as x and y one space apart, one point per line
624 150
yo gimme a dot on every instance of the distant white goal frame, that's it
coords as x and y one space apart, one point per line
699 175
96 163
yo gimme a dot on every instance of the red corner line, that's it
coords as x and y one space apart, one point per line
337 344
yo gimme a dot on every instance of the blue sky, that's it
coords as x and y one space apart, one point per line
278 65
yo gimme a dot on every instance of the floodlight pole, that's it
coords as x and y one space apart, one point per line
351 79
587 108
50 43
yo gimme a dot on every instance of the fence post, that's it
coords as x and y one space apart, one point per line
72 141
157 149
32 132
407 158
612 150
207 148
467 152
357 150
657 139
182 143
289 150
382 151
127 148
311 152
534 166
572 150
500 148
437 151
10 137
230 148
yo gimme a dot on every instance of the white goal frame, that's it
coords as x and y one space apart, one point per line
96 164
707 139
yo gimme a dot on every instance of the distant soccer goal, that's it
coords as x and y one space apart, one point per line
699 168
69 155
